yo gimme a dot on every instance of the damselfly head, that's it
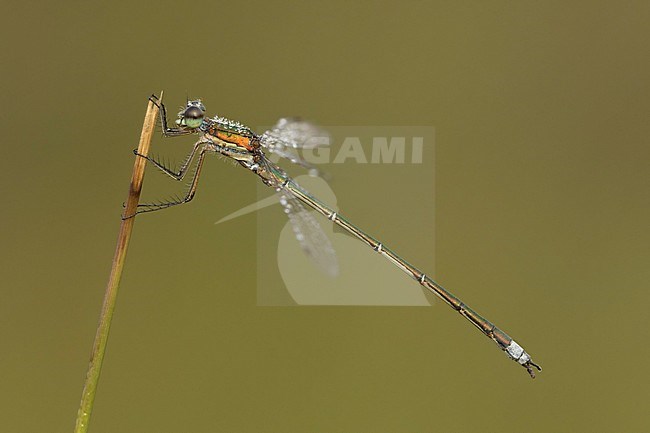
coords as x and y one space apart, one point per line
192 116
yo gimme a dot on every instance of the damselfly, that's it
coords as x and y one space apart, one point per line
239 143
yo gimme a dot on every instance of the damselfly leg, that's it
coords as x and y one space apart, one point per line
166 130
182 170
189 195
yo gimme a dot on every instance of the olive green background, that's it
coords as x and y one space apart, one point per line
542 207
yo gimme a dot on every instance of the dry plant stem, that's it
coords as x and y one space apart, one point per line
99 347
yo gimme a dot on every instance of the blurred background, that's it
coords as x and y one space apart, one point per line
541 199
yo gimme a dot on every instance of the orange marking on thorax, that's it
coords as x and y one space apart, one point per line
233 138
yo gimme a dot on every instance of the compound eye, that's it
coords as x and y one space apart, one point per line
193 117
193 113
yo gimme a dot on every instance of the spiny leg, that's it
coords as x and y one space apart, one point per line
167 131
171 173
188 196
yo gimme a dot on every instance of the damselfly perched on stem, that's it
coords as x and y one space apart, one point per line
239 143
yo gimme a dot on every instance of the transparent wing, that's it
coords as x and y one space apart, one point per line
294 133
290 134
308 232
291 156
